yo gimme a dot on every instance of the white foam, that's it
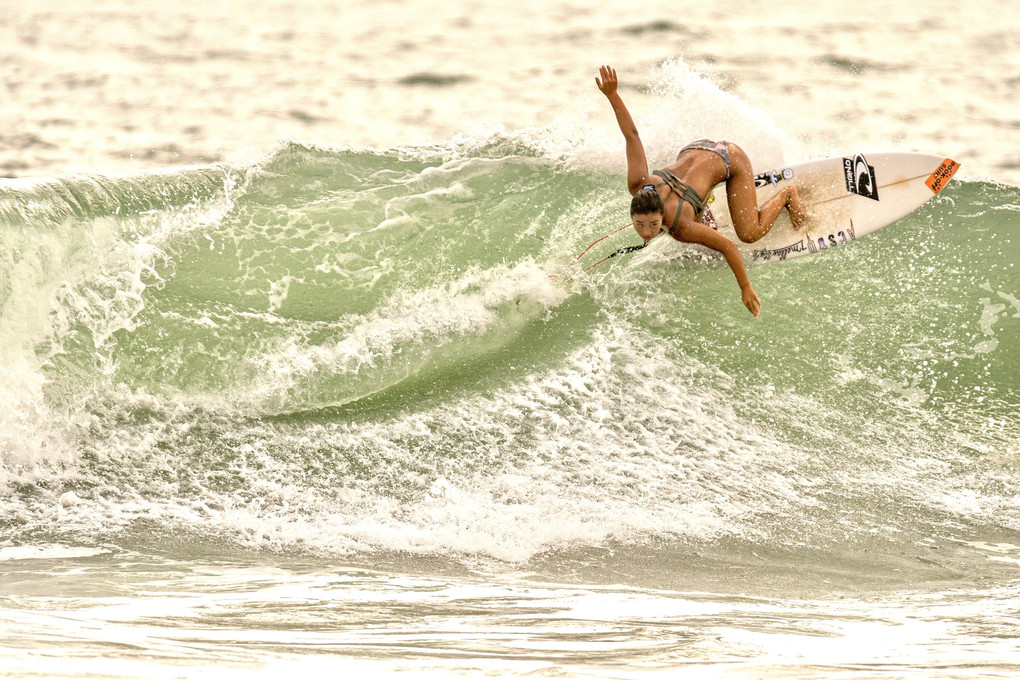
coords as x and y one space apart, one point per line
73 276
612 446
684 106
398 337
53 551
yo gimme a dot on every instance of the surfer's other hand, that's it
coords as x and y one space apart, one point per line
751 300
607 82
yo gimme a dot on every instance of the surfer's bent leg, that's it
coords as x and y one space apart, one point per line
750 222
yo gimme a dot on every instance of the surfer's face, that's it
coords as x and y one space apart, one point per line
647 225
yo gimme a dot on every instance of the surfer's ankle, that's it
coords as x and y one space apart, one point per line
795 207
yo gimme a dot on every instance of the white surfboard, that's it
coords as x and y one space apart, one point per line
846 197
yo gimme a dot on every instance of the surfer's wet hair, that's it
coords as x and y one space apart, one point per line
646 201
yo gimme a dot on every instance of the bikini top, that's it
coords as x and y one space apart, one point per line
683 190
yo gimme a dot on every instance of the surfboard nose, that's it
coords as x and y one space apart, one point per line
940 177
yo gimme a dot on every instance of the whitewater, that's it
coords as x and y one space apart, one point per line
298 373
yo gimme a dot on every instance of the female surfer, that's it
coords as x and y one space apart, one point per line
675 196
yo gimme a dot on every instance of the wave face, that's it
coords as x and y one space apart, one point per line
354 352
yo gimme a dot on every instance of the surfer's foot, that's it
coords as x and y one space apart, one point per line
798 215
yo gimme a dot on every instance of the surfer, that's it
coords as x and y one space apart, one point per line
675 196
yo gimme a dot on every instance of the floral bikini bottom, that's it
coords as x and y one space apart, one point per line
721 148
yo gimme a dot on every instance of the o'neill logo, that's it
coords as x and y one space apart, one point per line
860 177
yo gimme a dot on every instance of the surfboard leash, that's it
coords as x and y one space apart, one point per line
600 240
621 251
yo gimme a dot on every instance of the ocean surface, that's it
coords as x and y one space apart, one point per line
297 375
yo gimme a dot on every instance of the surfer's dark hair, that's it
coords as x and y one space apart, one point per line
646 201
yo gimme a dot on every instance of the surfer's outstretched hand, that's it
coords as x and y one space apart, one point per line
751 300
606 80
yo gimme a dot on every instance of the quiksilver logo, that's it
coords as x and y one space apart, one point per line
860 177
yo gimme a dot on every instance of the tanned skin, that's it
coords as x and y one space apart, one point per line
702 170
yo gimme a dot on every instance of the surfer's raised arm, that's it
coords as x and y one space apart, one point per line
637 164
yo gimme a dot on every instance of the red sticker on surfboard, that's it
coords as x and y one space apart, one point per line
938 179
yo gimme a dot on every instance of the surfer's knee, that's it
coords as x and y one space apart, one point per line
747 226
750 236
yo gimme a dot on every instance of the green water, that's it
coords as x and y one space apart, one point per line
365 334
